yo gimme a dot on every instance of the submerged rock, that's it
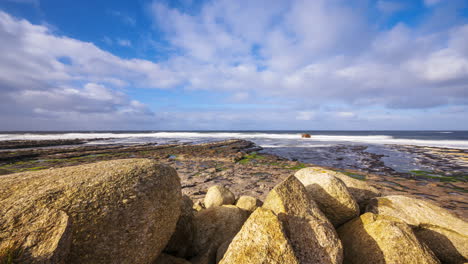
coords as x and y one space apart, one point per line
120 211
262 239
218 195
360 190
248 203
312 236
443 232
213 227
380 239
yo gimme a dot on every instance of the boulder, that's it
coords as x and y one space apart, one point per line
248 203
120 211
261 240
443 232
312 236
213 227
305 135
218 195
181 240
360 190
331 195
168 259
377 239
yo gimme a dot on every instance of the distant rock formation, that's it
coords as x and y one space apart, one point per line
305 135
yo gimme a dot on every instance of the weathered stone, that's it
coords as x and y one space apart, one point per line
218 195
222 250
360 190
120 211
168 259
331 195
181 240
312 236
248 203
213 227
380 239
262 240
443 232
198 206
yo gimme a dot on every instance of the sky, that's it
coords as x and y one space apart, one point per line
234 65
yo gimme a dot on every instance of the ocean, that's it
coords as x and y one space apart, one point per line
342 149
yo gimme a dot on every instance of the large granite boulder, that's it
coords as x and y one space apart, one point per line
360 190
443 232
312 236
181 241
248 203
121 211
262 239
380 239
331 195
213 227
219 195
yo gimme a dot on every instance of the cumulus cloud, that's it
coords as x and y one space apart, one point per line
286 61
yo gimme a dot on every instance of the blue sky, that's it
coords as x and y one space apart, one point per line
201 65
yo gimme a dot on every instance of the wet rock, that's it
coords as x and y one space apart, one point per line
330 193
213 227
311 235
305 135
377 239
262 239
121 211
443 232
219 195
248 203
168 259
181 240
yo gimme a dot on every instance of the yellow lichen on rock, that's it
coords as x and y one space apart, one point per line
311 235
262 240
381 239
331 195
442 231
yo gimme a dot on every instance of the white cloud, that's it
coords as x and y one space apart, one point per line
389 7
124 42
431 2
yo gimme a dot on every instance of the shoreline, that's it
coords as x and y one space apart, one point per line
233 163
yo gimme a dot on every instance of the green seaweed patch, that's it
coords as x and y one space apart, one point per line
432 175
34 168
250 157
355 175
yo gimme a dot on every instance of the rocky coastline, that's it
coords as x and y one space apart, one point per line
206 203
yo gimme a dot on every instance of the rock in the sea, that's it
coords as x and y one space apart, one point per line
360 190
305 135
219 195
213 227
443 232
168 259
380 239
181 240
261 240
248 203
120 211
331 195
311 234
